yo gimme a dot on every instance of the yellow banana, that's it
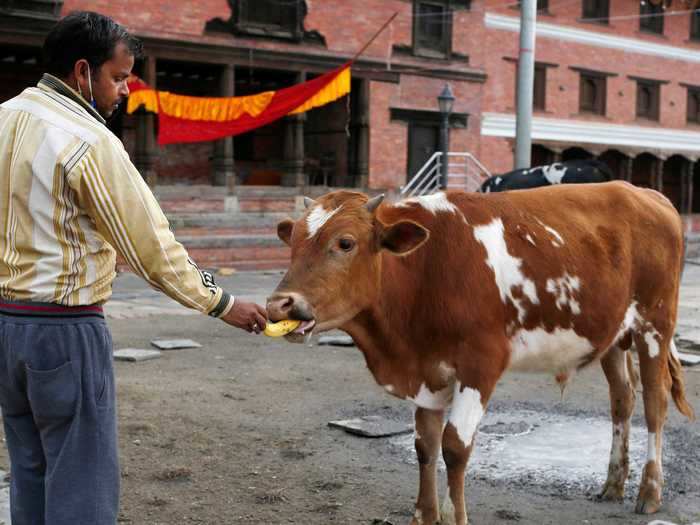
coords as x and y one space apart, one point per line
281 328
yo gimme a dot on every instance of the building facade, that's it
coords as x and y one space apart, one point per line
613 80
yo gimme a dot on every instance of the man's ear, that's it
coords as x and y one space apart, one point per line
284 231
403 237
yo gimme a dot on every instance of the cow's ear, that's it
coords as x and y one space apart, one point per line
284 231
403 237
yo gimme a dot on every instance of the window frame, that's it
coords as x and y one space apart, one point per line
693 93
244 25
652 25
447 22
598 106
694 32
654 112
596 9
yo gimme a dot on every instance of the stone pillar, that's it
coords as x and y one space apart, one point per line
223 173
294 147
658 182
145 155
362 166
687 187
629 164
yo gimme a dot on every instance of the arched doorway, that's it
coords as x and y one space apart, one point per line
643 170
576 154
617 162
672 187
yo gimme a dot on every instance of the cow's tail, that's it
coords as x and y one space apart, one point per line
677 384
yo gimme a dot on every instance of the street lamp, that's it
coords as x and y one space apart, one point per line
445 102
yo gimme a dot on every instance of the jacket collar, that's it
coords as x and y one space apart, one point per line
51 83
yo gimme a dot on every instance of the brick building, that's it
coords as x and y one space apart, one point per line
608 83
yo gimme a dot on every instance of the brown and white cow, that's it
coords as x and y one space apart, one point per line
445 293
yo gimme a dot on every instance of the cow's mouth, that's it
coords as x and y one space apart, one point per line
302 333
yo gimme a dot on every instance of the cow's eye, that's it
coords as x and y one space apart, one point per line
346 244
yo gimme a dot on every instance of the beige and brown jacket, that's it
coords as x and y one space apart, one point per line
70 197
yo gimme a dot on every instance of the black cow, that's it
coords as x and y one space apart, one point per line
567 172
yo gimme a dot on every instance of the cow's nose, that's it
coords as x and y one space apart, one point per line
279 306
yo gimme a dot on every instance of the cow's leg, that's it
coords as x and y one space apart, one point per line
656 382
457 440
428 433
617 365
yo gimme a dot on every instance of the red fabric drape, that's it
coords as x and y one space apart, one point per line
177 130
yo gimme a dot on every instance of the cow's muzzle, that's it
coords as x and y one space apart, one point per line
288 305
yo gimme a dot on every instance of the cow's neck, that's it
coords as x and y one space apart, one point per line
382 331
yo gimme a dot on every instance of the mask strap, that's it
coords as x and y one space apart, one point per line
92 99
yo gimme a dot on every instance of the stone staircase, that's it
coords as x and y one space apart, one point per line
231 231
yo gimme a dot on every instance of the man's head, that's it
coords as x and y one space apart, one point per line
94 55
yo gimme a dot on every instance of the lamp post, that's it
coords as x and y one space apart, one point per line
445 102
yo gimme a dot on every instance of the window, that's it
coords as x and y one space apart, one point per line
269 17
651 17
592 93
694 105
695 25
539 94
542 5
596 10
648 99
432 29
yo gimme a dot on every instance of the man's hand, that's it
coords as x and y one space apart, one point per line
250 317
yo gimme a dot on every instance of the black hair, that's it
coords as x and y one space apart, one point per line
88 35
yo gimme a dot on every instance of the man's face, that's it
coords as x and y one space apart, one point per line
109 84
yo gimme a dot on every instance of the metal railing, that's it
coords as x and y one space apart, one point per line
465 174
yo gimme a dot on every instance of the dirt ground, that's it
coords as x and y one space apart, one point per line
236 432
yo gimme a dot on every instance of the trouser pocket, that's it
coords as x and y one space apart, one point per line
52 393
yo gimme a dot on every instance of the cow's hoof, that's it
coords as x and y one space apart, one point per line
612 492
427 518
649 499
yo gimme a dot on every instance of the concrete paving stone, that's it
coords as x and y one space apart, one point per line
372 426
689 359
336 340
175 344
135 354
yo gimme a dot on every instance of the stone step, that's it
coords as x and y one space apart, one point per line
692 249
229 220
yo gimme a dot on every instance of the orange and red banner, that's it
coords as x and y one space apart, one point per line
195 119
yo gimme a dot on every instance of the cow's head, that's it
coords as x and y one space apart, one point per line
336 260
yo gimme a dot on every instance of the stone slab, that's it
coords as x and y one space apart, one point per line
175 344
135 354
372 426
336 340
689 359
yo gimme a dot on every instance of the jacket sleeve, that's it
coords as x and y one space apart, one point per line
128 216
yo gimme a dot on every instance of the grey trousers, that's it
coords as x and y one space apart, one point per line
59 411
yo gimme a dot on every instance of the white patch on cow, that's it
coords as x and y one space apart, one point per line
634 321
389 388
498 181
466 412
674 350
553 352
418 515
448 510
554 173
617 450
433 203
488 189
558 241
447 372
563 290
425 398
506 268
318 217
530 239
651 446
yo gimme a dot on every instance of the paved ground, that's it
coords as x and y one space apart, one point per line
236 432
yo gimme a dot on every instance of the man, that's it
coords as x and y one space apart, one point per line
70 197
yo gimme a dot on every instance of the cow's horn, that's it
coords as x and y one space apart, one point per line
308 202
374 203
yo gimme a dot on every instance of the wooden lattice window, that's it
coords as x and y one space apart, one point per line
592 93
651 17
694 105
432 29
648 99
695 25
269 17
596 10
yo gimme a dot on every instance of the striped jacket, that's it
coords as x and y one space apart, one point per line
70 197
